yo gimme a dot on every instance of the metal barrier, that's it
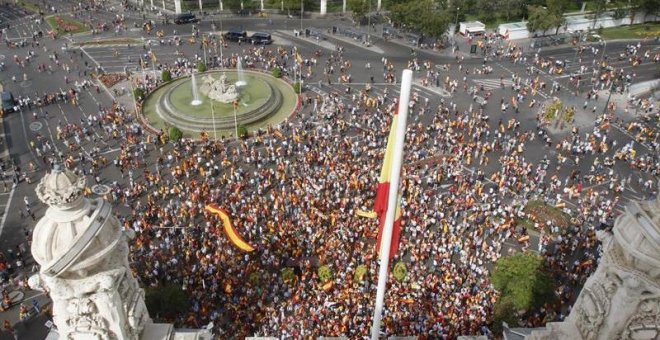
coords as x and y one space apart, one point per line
349 32
314 32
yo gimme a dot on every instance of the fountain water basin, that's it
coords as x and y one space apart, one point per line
195 92
195 105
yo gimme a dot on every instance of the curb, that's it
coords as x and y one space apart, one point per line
4 154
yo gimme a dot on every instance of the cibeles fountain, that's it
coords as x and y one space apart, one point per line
82 251
219 90
221 99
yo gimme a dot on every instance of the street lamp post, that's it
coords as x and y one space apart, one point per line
456 25
215 131
302 10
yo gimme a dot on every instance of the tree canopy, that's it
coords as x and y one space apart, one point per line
522 279
424 16
358 7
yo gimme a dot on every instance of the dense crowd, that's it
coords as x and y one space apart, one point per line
293 192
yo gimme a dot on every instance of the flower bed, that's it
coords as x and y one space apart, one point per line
65 24
542 212
111 79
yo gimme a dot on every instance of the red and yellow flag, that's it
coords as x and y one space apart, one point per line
383 192
231 232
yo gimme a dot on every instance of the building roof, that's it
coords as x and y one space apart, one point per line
514 25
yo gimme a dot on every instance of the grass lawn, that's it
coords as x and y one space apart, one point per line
641 31
66 24
490 24
29 6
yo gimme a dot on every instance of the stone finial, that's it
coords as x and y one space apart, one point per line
61 188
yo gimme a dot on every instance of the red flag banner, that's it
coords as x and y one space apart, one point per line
383 191
231 232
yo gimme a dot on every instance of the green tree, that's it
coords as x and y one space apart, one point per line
242 131
139 94
166 302
400 271
175 133
325 273
504 311
358 7
277 72
539 20
424 16
556 9
509 9
201 67
522 278
649 7
600 7
360 273
297 87
166 75
487 10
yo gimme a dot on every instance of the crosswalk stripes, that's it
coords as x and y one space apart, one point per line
492 84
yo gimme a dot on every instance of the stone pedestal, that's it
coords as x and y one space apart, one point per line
621 300
83 253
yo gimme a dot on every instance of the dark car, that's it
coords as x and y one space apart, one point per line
236 35
3 24
261 38
8 102
185 18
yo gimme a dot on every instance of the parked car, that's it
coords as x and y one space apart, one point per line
261 38
185 18
3 24
236 35
8 102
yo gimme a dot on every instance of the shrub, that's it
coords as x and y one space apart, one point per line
166 301
277 72
201 67
521 278
139 94
288 275
175 134
166 75
400 271
297 87
504 311
325 273
242 131
360 273
254 278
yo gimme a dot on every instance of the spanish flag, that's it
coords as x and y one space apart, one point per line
153 57
299 58
382 193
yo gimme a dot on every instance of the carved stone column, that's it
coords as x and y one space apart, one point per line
621 300
83 253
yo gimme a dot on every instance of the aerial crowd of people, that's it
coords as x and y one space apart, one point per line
294 191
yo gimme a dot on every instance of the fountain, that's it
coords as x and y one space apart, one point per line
241 76
264 100
195 92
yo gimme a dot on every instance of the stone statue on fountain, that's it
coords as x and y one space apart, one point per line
218 89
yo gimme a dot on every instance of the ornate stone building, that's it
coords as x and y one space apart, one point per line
621 300
83 253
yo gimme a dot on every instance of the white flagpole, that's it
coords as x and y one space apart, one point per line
392 201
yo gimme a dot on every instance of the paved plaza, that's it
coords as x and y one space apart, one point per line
479 149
